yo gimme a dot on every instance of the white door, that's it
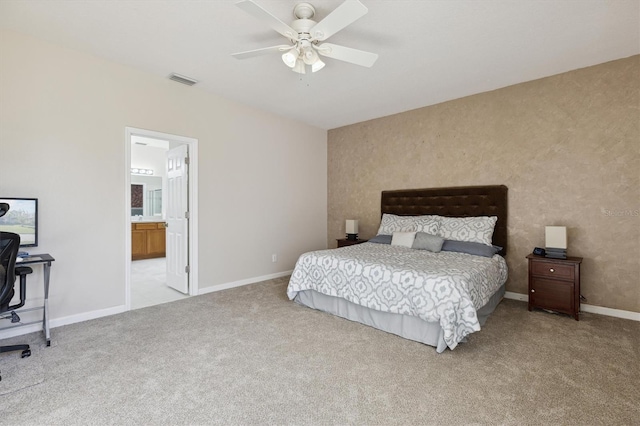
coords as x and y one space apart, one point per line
178 218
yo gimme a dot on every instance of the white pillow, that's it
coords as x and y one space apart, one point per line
404 239
477 229
391 223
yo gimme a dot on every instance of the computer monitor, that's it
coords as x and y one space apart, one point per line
21 219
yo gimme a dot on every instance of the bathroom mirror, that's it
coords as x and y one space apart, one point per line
146 196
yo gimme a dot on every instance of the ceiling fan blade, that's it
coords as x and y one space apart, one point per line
258 12
260 52
345 14
347 54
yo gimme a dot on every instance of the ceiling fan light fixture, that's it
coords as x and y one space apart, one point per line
309 56
299 68
291 57
317 65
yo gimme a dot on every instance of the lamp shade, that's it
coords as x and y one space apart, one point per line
351 226
299 67
290 57
556 237
317 66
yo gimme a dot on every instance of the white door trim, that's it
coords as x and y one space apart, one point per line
193 206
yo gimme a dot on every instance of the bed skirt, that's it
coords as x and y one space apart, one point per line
409 327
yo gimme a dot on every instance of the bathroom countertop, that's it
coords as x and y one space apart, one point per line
146 220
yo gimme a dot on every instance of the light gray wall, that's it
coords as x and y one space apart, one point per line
62 128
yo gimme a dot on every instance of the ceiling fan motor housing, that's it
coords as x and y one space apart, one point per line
303 28
304 11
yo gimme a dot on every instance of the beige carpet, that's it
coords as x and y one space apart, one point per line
20 373
250 356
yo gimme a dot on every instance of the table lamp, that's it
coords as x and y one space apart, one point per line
352 229
556 242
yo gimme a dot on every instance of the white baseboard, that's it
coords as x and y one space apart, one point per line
20 330
516 296
240 283
57 322
86 316
601 310
618 313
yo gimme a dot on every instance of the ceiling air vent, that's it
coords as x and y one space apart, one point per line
182 79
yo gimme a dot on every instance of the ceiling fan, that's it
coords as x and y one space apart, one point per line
305 36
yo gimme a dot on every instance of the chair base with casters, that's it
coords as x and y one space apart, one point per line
26 351
8 250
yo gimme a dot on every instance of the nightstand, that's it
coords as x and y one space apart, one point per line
343 242
554 284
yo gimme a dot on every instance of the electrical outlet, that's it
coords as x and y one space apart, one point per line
274 258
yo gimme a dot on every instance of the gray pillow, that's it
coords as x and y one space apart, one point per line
469 247
428 242
381 239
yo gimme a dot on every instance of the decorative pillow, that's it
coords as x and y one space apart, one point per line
428 242
404 239
477 249
429 224
381 239
473 229
391 223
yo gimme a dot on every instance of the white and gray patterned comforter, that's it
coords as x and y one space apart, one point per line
444 287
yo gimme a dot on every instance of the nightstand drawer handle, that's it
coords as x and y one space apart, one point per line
551 270
533 290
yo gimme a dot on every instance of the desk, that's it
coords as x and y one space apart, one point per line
45 260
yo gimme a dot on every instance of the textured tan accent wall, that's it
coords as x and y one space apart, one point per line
567 147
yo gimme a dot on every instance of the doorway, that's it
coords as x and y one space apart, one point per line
149 208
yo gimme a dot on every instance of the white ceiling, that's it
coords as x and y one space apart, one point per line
430 51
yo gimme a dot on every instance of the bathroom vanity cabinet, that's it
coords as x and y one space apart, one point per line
148 240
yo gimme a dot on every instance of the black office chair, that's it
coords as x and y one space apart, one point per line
9 245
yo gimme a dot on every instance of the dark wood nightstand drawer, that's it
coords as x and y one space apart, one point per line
553 270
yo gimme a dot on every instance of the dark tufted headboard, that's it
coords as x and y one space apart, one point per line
461 201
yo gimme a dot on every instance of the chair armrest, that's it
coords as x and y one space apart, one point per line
23 270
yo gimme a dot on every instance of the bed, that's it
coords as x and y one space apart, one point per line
434 296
